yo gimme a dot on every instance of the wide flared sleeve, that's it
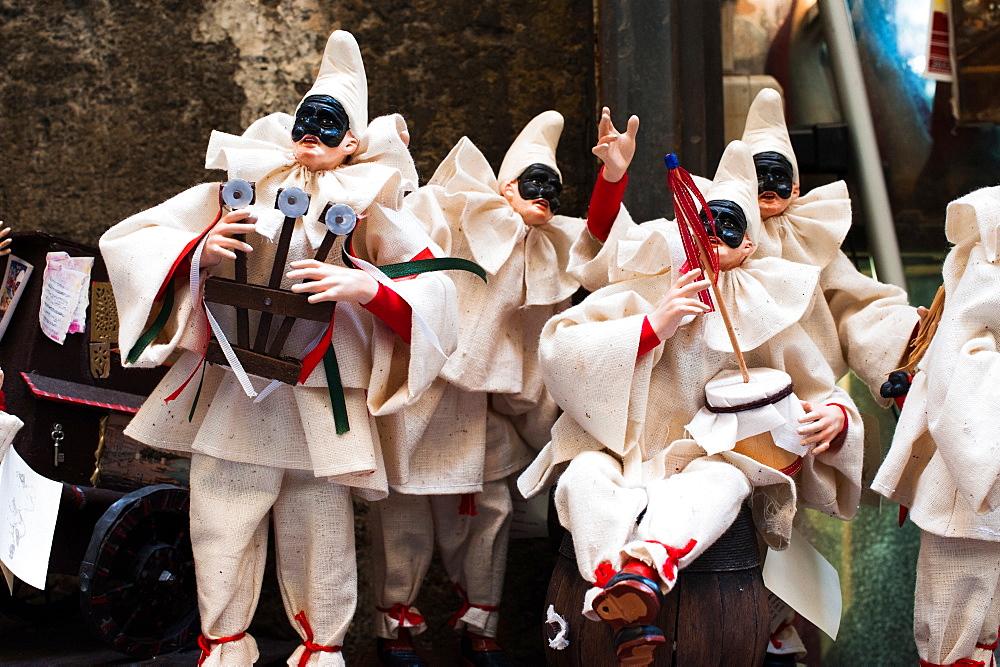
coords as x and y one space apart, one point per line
144 254
831 481
963 375
873 320
588 360
401 371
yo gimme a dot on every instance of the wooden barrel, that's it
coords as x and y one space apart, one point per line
716 614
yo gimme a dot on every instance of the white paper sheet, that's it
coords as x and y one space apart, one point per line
65 295
29 504
810 585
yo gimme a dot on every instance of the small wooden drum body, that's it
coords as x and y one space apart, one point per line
716 614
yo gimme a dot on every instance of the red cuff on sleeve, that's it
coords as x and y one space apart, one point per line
393 310
648 339
423 254
839 439
605 202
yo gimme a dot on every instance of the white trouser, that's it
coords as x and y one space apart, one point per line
956 605
473 549
314 542
600 509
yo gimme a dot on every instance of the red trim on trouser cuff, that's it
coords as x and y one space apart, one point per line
466 606
648 339
393 310
310 646
206 644
183 259
775 642
605 201
603 574
467 505
673 556
402 614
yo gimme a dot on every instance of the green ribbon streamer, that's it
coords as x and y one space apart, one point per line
416 266
155 328
336 388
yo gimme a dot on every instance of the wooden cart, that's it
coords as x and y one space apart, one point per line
123 533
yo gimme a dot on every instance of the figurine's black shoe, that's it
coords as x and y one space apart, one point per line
636 644
479 651
397 657
779 660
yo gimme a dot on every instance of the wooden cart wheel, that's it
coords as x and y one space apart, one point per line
137 584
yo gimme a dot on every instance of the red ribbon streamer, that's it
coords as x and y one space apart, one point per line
310 646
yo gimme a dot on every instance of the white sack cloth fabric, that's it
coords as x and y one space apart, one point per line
294 427
499 326
616 402
736 410
9 426
686 501
944 463
405 529
866 324
487 413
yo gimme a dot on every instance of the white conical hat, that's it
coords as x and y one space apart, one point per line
342 77
536 144
766 131
736 181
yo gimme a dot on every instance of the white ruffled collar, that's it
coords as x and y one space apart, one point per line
378 173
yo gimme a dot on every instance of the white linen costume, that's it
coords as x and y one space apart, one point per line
944 463
488 412
859 324
283 454
625 418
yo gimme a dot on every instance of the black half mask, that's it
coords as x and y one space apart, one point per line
540 182
774 174
323 117
730 222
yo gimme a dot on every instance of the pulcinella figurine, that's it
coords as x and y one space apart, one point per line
282 422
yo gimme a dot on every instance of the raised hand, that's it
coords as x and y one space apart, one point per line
822 425
614 148
328 282
5 243
221 244
679 302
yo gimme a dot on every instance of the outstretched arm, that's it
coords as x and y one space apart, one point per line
614 148
616 151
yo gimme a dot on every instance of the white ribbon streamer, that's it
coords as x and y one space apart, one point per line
383 279
227 349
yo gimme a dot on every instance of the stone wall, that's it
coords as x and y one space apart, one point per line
106 107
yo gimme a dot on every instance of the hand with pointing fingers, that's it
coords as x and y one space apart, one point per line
614 148
679 302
